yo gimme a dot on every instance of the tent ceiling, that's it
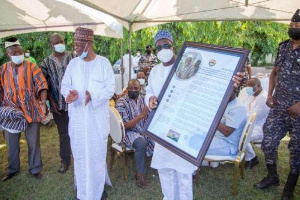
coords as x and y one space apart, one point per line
106 17
144 13
24 16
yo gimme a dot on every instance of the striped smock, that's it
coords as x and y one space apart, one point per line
20 87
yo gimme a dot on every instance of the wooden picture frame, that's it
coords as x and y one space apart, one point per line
202 75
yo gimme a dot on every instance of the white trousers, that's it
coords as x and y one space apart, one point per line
175 185
250 153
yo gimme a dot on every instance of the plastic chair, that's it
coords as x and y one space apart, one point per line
117 132
239 159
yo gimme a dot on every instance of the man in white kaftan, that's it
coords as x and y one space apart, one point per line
254 98
87 86
175 173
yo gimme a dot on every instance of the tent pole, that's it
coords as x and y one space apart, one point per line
130 46
122 64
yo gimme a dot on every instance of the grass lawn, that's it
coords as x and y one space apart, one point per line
213 183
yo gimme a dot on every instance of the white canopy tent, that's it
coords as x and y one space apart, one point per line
24 16
138 14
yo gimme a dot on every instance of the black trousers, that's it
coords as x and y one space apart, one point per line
62 122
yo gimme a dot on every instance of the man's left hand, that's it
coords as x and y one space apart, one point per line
237 79
87 97
294 110
44 107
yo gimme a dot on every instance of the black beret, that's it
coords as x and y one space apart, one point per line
296 17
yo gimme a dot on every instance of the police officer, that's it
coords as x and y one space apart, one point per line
285 110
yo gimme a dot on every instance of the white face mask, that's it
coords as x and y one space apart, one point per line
165 55
27 54
60 48
142 81
17 59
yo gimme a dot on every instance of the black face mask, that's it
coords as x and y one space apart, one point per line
133 94
294 33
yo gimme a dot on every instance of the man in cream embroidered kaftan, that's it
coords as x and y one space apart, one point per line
91 79
89 125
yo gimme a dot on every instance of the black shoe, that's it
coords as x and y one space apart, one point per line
63 168
104 195
288 192
9 176
271 179
37 175
194 178
251 163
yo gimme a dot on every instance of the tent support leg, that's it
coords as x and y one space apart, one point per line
130 50
122 66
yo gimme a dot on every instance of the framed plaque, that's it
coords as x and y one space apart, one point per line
193 99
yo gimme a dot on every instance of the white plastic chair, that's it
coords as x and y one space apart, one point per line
239 159
117 132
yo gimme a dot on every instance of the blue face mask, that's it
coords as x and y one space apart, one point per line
250 90
84 53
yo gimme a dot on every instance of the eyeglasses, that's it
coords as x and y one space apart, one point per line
165 46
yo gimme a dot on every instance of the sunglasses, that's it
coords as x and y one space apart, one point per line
165 46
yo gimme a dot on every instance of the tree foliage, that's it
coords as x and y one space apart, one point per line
261 38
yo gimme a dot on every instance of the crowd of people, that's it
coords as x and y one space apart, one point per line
80 89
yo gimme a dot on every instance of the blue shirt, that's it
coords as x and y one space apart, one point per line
235 117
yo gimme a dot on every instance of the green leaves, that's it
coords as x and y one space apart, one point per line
261 38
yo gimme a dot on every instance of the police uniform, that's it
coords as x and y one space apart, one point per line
279 121
287 93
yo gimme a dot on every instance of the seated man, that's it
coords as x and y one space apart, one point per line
254 98
230 128
141 77
134 113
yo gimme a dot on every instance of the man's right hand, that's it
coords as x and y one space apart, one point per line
144 112
72 96
153 102
54 107
270 101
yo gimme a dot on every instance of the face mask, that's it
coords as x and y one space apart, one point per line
60 48
27 54
17 59
165 55
142 81
250 91
84 53
294 33
138 54
133 94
